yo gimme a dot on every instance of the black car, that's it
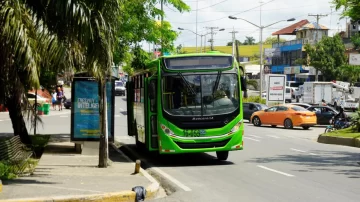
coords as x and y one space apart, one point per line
251 107
304 105
67 104
323 114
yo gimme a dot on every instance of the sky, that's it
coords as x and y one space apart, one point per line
214 13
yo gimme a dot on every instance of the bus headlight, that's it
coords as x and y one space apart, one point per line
236 127
166 130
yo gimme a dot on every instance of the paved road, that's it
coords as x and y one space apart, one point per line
276 165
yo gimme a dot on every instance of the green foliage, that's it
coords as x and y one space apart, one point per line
256 99
355 121
231 43
40 140
356 41
327 56
274 39
253 83
140 58
249 40
350 73
350 8
6 171
138 23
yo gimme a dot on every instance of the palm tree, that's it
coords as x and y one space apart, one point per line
249 40
50 33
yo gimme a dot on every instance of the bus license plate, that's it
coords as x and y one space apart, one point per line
194 133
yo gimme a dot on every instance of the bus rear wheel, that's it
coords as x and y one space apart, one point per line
222 155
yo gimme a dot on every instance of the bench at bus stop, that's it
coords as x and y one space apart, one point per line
15 154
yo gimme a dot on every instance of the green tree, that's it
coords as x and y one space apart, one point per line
249 40
138 23
356 41
274 39
231 43
350 8
350 73
327 56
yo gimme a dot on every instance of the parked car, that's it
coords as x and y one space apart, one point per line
286 115
119 88
323 114
67 104
250 107
40 100
305 105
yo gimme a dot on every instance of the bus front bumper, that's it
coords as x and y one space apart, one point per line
170 145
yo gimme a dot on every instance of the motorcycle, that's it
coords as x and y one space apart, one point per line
338 124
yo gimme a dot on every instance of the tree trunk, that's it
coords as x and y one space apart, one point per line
317 75
17 119
103 148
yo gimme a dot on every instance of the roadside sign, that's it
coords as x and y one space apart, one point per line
85 118
275 89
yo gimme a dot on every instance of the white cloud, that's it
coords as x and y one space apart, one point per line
274 11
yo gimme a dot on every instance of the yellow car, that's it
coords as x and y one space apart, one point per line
285 115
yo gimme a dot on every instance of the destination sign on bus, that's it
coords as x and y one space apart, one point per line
199 62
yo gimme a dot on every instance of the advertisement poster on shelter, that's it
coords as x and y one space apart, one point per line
85 117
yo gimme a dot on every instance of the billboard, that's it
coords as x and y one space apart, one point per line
275 88
354 59
292 70
85 119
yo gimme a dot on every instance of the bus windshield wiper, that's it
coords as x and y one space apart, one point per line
217 81
187 84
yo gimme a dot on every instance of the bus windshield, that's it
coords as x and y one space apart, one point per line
200 94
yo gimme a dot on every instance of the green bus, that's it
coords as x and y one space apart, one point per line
188 103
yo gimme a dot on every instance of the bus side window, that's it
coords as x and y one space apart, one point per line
152 94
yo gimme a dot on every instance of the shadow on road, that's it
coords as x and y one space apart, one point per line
337 162
172 160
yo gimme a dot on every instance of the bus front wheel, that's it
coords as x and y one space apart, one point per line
222 155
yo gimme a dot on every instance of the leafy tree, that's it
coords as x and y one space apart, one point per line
327 56
350 73
231 43
356 41
249 40
138 23
271 40
350 8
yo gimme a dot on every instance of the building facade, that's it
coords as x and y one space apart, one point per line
283 58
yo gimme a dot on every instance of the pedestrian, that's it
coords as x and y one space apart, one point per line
53 99
59 97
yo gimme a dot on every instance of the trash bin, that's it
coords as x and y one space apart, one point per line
40 110
46 108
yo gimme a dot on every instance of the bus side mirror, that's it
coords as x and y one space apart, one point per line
152 90
243 85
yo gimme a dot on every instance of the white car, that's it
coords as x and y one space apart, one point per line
40 100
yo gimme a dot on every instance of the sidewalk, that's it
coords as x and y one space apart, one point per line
66 176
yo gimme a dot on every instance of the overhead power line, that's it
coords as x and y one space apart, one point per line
244 11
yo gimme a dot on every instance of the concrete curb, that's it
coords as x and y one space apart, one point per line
151 190
123 196
346 141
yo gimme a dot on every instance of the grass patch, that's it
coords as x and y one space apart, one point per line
347 132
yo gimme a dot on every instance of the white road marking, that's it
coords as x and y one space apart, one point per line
275 171
254 136
273 136
64 116
313 154
1 120
248 138
298 150
175 181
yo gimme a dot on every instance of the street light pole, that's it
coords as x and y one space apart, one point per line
197 4
261 43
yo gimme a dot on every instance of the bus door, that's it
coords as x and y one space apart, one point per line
130 106
151 113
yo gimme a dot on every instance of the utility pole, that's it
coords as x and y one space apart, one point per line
233 41
212 32
162 19
197 4
318 16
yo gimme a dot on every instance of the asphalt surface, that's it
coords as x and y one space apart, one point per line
275 165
